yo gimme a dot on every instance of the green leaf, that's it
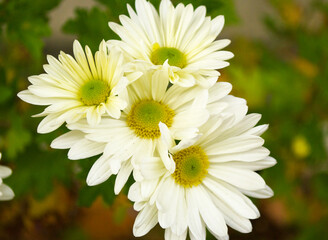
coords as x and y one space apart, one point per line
320 184
17 137
90 26
88 194
5 93
26 22
37 169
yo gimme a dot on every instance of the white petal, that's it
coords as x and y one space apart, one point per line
166 219
159 82
149 19
193 237
63 106
234 144
99 172
195 223
166 135
169 235
242 128
176 97
81 58
134 192
50 123
114 107
67 140
167 196
211 215
232 218
123 152
152 168
163 149
182 78
180 224
218 24
229 196
91 62
190 118
122 176
6 193
28 97
218 91
201 99
247 156
241 178
52 92
85 149
5 172
262 193
145 221
148 188
185 143
210 127
214 46
93 116
257 131
133 76
134 29
253 165
188 133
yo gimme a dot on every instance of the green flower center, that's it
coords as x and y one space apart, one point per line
94 92
145 116
191 166
161 54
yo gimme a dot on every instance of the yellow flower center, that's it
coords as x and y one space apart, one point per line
94 92
145 116
161 54
191 166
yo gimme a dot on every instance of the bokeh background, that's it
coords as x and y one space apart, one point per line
280 67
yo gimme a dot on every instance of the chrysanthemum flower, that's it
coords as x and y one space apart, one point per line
136 134
179 39
84 87
213 173
5 192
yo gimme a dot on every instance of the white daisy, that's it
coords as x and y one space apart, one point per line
213 173
86 86
179 39
5 192
136 134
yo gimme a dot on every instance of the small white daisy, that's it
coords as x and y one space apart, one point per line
5 192
214 171
179 39
86 86
136 134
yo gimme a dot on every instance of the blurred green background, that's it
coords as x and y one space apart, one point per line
280 67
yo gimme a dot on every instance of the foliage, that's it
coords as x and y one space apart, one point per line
287 82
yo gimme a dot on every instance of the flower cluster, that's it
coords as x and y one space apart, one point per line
150 105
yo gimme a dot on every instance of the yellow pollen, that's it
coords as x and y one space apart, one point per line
145 116
94 92
191 166
174 56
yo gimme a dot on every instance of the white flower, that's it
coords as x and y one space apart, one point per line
5 192
179 39
86 86
136 134
214 171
